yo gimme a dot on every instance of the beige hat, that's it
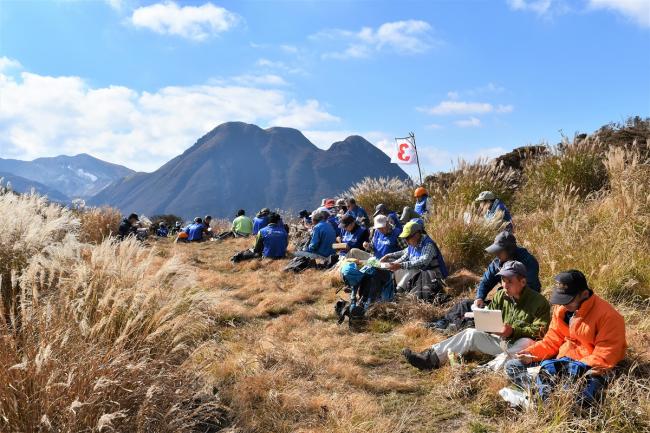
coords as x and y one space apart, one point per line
380 221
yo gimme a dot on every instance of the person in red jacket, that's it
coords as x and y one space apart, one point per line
585 340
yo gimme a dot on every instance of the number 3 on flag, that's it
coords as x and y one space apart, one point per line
405 152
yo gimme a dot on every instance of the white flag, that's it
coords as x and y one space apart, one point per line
404 151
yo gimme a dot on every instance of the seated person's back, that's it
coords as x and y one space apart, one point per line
272 240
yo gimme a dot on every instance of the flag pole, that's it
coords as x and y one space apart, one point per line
417 157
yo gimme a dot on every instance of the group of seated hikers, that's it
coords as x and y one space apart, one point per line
581 340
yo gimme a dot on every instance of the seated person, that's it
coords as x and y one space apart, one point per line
385 240
305 218
422 254
162 231
586 339
322 238
177 228
505 249
525 313
357 212
354 236
194 231
242 226
261 220
207 230
408 214
272 240
382 209
341 206
128 227
421 201
494 208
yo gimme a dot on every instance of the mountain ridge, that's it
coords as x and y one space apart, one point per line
240 165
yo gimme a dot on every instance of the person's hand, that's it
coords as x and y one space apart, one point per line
383 259
524 357
479 303
394 267
506 331
366 245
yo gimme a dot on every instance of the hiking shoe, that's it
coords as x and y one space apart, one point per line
427 360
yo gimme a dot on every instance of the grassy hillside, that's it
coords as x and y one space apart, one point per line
163 337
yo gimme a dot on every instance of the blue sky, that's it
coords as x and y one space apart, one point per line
137 82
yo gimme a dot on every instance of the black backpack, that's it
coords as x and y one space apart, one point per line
299 264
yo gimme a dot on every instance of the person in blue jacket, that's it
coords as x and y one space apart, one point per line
323 237
505 249
272 240
195 230
494 208
382 209
261 220
354 235
357 212
421 200
162 231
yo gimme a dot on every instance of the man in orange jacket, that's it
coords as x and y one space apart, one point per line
586 338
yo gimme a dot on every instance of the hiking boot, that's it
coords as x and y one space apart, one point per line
427 360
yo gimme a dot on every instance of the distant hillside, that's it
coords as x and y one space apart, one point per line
25 186
75 176
238 165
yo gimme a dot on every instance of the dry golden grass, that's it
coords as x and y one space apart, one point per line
174 337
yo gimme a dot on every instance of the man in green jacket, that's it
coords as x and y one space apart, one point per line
242 225
526 315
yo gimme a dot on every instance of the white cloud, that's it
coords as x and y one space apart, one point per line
45 116
6 63
472 122
459 107
434 126
115 4
635 10
453 107
504 108
192 22
278 66
540 7
259 80
289 48
402 37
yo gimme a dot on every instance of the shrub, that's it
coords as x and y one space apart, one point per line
98 223
462 235
578 169
93 336
607 237
395 193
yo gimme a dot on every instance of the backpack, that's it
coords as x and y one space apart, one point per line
368 285
426 286
244 255
299 264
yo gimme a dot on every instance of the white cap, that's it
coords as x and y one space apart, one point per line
380 221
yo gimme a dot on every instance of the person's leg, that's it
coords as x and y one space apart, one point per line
517 372
592 393
468 340
308 255
402 277
358 254
499 361
549 373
